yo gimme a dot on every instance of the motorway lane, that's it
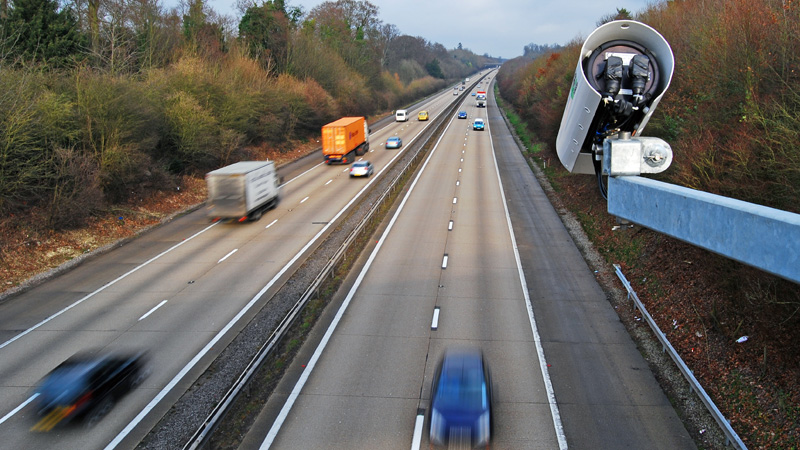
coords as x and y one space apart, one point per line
360 394
206 281
607 395
376 370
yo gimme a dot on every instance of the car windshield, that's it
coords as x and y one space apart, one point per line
360 164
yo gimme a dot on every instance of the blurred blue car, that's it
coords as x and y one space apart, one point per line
394 142
462 114
87 386
461 400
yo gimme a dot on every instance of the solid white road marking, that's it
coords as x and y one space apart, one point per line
284 413
102 288
228 255
18 408
207 348
548 384
153 310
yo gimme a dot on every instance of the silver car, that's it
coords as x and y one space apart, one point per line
361 169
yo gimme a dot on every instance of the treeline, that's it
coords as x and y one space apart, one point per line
732 112
100 101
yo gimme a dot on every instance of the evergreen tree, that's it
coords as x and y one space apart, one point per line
434 69
38 30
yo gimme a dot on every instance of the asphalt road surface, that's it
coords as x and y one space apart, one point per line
181 291
565 371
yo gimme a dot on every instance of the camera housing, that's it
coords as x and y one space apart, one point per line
624 69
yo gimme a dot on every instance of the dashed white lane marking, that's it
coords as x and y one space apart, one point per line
435 321
152 310
444 261
105 286
271 223
228 255
417 441
303 200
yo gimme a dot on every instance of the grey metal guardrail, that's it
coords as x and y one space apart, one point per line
730 435
209 424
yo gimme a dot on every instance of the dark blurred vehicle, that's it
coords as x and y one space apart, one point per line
86 386
461 400
361 169
394 142
462 114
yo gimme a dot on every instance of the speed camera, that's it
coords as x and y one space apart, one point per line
624 69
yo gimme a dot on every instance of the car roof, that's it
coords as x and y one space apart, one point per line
462 383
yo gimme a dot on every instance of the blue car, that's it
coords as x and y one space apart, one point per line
478 124
462 114
461 400
473 94
394 142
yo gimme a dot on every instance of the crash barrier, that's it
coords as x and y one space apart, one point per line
203 433
730 434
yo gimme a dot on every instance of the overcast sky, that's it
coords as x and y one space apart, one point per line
497 27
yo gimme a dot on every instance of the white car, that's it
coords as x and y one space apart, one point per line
361 169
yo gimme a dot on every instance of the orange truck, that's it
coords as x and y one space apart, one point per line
345 139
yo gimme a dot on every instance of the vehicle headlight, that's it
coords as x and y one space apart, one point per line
438 428
483 429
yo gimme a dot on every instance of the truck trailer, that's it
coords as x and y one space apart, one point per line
242 191
345 139
480 99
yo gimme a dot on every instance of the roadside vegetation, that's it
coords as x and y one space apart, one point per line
732 117
105 105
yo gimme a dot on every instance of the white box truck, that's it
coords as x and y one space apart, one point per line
242 191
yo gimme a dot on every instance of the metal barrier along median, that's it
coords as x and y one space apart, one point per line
730 435
209 424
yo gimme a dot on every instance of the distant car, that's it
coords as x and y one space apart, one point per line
478 124
462 114
473 94
86 386
422 115
461 400
361 169
394 142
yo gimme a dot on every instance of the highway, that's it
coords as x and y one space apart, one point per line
565 372
474 237
181 291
